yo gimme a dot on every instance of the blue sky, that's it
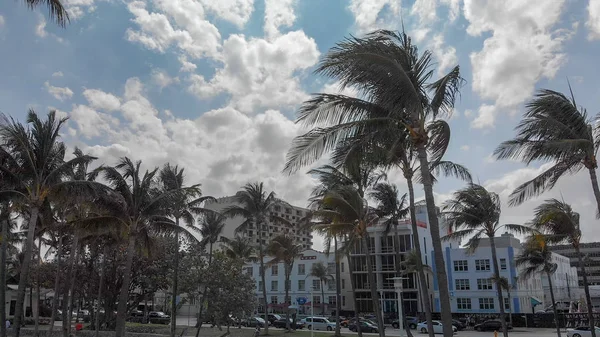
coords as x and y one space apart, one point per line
214 85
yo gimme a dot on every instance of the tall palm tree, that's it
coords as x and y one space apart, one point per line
387 69
32 162
284 250
255 206
536 258
239 248
553 129
56 9
138 204
504 284
473 213
211 228
182 206
411 265
320 272
559 223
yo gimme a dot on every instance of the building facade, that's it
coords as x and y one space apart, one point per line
564 281
292 214
303 286
591 259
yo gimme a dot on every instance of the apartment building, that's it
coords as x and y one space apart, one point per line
591 258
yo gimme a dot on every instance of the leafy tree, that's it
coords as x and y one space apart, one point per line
56 10
473 213
239 248
211 227
320 272
554 130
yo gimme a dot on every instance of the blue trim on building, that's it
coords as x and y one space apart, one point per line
449 270
513 276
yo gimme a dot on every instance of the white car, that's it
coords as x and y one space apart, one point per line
318 323
437 327
581 331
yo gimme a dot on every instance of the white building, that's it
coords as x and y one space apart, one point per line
292 214
473 290
301 284
564 281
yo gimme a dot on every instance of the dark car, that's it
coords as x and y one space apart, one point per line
159 317
411 321
364 327
281 324
491 325
459 324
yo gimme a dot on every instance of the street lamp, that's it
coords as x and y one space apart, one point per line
398 288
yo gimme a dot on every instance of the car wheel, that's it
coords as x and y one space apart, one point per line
423 330
576 335
329 328
412 326
309 327
395 326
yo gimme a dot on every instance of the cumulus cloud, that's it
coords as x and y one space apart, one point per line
593 20
57 74
186 66
235 11
374 14
162 79
101 100
485 118
278 13
60 93
2 21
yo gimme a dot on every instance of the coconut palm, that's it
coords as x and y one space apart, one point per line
56 10
332 235
255 206
181 206
283 249
239 248
554 129
395 80
320 272
504 284
536 258
33 167
559 223
473 213
413 264
211 227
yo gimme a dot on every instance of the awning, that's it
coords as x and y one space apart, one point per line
534 301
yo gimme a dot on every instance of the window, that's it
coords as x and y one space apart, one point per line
316 299
274 300
301 285
343 283
260 284
288 284
316 284
275 270
463 303
506 304
342 267
274 286
482 265
486 303
462 284
249 270
301 269
331 285
277 208
503 264
331 268
425 244
299 213
484 284
461 265
331 300
344 300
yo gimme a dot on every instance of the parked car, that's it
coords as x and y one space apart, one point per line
491 325
272 318
158 317
459 324
581 331
281 324
437 327
318 323
411 321
253 322
364 327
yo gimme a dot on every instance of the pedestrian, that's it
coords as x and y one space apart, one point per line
7 324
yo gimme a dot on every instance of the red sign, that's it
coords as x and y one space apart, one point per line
419 223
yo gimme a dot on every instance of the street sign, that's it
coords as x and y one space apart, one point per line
301 300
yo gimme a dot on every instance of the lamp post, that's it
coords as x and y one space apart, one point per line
398 288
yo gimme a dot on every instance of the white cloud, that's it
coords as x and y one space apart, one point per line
485 118
260 73
77 8
91 123
468 113
58 74
186 66
524 47
235 11
334 88
425 10
278 13
162 79
2 21
446 56
375 14
593 20
465 148
40 30
59 93
101 100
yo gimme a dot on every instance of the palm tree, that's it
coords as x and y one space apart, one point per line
555 130
559 223
473 213
55 7
386 68
211 227
504 284
284 250
255 205
181 206
320 272
239 248
139 205
411 265
33 166
536 257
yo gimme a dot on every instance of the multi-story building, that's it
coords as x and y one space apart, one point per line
303 284
591 260
564 281
292 214
470 278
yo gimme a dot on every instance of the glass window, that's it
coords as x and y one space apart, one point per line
260 285
274 300
482 265
506 303
317 299
463 303
461 265
274 270
301 269
316 284
344 300
249 270
462 284
301 285
342 267
486 303
484 284
331 268
274 286
331 300
331 285
503 264
343 283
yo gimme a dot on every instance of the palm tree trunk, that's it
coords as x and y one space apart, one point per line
72 292
436 242
338 286
175 282
373 286
553 304
36 331
124 294
354 299
66 305
586 288
322 298
56 284
288 271
594 179
498 287
510 306
5 220
24 276
100 286
264 285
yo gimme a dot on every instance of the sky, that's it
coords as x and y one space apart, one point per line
214 86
